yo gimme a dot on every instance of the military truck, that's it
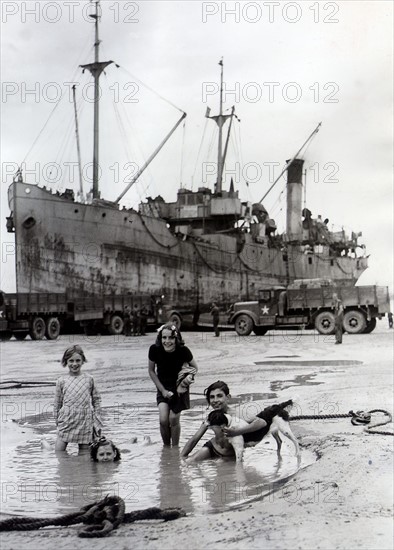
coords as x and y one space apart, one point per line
43 315
108 312
310 304
38 314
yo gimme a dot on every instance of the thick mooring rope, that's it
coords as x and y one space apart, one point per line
100 518
359 417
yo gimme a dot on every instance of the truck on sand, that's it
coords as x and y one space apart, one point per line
43 315
309 303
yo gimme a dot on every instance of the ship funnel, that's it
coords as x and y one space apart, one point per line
294 200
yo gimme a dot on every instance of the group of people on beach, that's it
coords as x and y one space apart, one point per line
172 368
135 320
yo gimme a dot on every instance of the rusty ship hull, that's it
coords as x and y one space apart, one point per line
63 245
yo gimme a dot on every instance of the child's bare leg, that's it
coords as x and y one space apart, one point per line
165 429
175 428
60 445
202 454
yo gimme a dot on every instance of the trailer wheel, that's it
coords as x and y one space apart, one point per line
116 325
243 325
5 335
37 328
21 335
52 328
260 331
370 326
175 320
354 322
325 322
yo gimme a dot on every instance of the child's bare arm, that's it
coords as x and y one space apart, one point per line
192 442
193 363
57 405
156 381
96 403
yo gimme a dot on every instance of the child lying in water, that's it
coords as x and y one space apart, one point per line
103 450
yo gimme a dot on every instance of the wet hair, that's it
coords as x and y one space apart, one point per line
217 418
174 332
219 385
70 351
102 442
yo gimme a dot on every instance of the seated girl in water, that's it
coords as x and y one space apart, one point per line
217 395
104 450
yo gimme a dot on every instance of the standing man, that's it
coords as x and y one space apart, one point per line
136 320
127 321
390 319
215 318
143 319
338 310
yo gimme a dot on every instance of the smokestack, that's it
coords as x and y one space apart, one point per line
294 200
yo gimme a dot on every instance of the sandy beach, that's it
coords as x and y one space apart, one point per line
342 501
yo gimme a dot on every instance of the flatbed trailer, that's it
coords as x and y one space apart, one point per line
43 315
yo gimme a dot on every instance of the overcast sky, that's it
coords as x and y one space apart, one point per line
287 66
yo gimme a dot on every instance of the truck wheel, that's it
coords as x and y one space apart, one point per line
260 331
20 335
37 328
354 322
325 322
175 320
116 325
53 328
243 325
5 335
370 326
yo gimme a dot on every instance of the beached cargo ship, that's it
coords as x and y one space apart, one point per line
208 245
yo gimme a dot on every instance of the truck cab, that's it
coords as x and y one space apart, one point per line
270 311
262 314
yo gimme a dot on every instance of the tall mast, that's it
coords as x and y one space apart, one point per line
96 69
78 147
220 119
220 122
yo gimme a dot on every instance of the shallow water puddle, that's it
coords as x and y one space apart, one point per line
300 380
41 483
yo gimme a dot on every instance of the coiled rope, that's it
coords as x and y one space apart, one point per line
358 417
100 518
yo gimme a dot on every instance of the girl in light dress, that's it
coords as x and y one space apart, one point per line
77 403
